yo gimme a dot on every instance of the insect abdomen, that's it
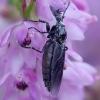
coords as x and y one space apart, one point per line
46 64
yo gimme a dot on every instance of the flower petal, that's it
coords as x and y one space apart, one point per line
81 76
34 92
87 67
81 4
43 10
58 4
31 23
5 37
73 31
73 12
10 53
37 40
74 55
10 93
29 57
16 62
87 18
2 80
70 92
29 76
19 32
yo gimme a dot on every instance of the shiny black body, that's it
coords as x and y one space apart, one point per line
53 58
53 52
52 65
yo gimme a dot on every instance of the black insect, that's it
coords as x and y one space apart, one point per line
53 51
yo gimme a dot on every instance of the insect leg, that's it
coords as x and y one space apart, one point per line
36 29
34 49
66 48
42 21
43 49
47 24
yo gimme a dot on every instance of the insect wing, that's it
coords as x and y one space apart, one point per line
46 62
57 68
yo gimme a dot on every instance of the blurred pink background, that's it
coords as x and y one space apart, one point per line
89 48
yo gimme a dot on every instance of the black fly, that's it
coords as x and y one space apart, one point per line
53 52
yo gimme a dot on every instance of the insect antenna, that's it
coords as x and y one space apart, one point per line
66 9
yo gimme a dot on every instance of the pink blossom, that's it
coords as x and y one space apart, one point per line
91 53
22 86
81 4
16 55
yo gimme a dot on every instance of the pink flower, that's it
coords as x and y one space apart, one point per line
91 53
16 54
82 5
22 86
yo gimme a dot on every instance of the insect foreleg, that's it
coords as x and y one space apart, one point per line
42 21
34 48
47 24
36 29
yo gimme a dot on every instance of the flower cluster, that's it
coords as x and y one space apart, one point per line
22 67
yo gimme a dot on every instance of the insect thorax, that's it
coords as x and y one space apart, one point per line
58 32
